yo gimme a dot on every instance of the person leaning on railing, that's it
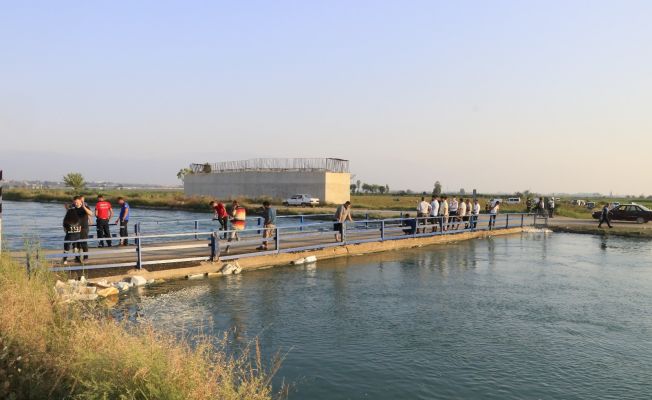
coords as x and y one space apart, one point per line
238 221
269 224
220 214
342 214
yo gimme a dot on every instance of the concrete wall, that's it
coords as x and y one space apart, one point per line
329 187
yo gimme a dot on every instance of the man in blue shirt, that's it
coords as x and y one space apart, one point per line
122 220
269 215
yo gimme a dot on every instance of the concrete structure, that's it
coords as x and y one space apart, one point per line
327 179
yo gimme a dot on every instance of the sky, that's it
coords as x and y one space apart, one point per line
502 96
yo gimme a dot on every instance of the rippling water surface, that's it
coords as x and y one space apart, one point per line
532 316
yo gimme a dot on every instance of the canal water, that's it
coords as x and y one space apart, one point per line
531 316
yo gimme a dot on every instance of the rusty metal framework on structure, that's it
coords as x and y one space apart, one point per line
274 164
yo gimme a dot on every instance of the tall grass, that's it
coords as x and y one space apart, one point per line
48 350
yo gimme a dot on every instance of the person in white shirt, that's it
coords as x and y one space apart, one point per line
443 211
423 211
467 218
461 213
434 212
452 211
475 213
493 212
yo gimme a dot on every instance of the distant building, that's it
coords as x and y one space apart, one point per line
325 178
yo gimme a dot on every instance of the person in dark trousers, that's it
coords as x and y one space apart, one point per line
85 214
410 224
269 225
72 228
123 221
103 214
604 216
220 214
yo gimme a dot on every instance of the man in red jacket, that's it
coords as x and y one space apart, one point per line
103 213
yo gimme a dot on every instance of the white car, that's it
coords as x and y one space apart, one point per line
303 200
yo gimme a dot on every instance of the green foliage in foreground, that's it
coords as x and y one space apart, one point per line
50 350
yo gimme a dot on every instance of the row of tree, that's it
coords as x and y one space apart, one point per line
360 187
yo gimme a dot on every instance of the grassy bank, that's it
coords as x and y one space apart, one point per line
75 351
409 203
176 200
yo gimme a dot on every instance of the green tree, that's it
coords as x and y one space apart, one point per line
74 180
207 169
353 187
181 175
436 191
381 189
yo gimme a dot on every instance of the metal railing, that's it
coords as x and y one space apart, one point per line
274 164
212 245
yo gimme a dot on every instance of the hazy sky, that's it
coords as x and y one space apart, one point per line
550 96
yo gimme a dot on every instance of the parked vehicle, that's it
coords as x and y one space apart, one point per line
628 212
590 205
514 200
303 200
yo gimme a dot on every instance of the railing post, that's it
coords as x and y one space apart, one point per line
196 228
214 246
139 249
260 222
506 220
366 218
382 230
522 218
344 232
301 218
278 239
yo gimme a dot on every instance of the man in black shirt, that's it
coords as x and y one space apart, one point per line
604 216
85 214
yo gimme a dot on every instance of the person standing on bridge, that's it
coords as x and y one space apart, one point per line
423 211
103 215
72 228
269 223
461 213
85 214
604 216
220 214
238 222
493 212
434 212
123 221
452 211
475 214
342 214
443 212
551 207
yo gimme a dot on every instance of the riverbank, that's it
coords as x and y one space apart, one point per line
51 350
388 205
633 232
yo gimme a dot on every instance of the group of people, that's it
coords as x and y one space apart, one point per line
78 219
541 207
237 218
448 215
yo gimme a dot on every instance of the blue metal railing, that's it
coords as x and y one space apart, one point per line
207 245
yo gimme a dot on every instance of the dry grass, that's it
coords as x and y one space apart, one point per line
73 351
